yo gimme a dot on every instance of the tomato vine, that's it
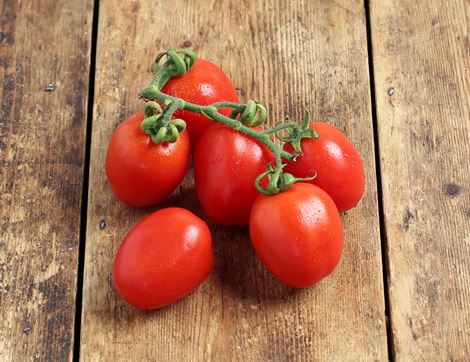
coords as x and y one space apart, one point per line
158 122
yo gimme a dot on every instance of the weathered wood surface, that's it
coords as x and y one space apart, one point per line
42 147
311 54
421 56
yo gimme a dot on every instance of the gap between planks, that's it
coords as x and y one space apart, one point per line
383 236
86 173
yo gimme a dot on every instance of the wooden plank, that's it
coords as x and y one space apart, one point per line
311 54
421 58
42 146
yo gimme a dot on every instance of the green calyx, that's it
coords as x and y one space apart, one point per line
296 133
278 181
162 133
178 62
158 123
252 114
243 117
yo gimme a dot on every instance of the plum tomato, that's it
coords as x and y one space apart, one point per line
204 84
163 257
297 234
226 164
339 167
140 172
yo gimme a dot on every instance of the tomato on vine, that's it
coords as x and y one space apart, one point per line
141 172
163 257
203 84
339 167
297 234
226 164
294 224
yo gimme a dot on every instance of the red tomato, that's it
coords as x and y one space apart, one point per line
164 257
140 172
204 84
226 164
339 167
297 234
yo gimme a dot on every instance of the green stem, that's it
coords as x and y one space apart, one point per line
152 92
177 64
227 105
178 103
162 75
277 151
280 127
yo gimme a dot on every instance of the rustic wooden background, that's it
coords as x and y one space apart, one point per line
393 74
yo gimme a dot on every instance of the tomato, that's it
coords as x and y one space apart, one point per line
204 84
226 164
297 234
140 172
164 257
339 167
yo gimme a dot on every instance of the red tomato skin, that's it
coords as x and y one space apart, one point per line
297 234
204 84
164 257
226 164
339 167
140 172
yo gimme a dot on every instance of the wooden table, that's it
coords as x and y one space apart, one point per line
394 75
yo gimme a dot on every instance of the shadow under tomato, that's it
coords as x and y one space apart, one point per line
184 196
238 269
238 274
126 318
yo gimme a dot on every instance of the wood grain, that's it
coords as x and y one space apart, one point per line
421 58
42 145
311 54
